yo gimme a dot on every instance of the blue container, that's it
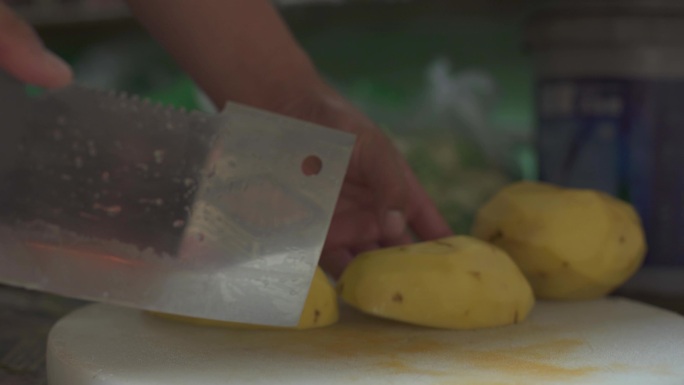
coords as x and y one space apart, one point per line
610 113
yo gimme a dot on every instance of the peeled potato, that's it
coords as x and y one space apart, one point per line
458 282
569 243
320 309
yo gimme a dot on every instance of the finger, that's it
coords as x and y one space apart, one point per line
424 217
376 164
334 262
353 195
366 247
352 227
23 55
386 177
404 239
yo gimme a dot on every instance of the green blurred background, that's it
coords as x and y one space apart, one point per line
448 80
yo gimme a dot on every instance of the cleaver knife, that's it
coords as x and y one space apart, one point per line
109 198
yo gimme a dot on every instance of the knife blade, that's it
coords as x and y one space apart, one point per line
110 198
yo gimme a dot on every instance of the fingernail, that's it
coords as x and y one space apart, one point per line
58 69
394 224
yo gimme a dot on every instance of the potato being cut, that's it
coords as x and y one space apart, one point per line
457 282
569 243
320 309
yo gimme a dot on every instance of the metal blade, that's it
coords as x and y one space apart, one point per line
113 199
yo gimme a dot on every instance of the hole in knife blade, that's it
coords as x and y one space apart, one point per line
312 165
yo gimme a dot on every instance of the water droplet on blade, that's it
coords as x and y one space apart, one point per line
159 156
112 211
92 151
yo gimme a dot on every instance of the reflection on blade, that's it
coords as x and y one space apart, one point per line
108 199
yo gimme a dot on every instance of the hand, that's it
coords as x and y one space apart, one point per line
258 62
381 203
23 55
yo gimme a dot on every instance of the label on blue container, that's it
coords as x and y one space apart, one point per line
624 137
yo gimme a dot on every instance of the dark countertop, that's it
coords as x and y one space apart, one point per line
25 320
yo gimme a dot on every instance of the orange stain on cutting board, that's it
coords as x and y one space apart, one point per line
396 366
530 360
398 350
519 353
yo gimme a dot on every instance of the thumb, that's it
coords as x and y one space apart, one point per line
23 55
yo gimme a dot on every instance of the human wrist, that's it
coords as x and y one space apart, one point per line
268 83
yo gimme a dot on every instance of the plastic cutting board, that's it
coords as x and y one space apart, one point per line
608 341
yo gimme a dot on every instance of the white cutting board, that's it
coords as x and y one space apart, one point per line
610 341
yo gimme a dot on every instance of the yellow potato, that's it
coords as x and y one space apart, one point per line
457 282
320 309
569 243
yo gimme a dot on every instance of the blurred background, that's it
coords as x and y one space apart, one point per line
447 79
